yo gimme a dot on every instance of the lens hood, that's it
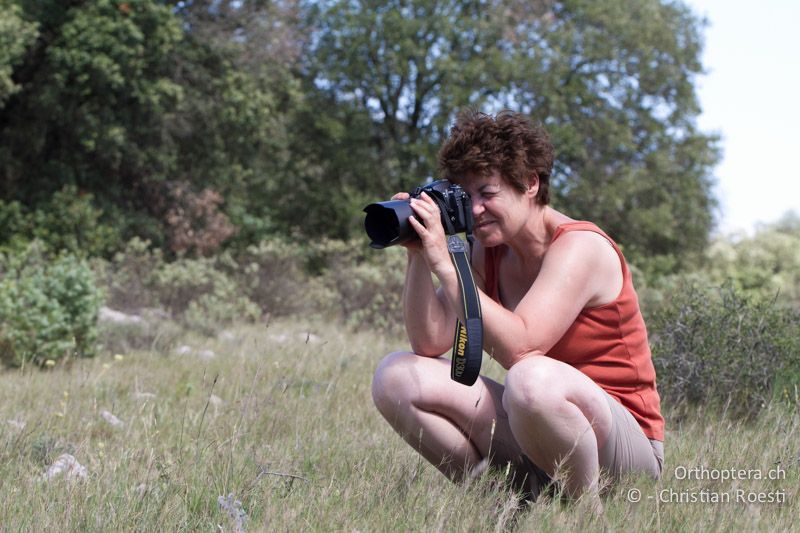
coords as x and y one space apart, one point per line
387 223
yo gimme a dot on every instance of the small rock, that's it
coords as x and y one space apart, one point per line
279 337
310 338
215 400
69 466
117 317
206 354
111 419
183 350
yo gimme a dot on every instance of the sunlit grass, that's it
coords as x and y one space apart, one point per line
280 419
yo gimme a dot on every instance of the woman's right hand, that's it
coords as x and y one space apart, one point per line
416 244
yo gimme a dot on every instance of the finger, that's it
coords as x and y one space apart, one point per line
420 207
421 230
401 196
426 197
429 214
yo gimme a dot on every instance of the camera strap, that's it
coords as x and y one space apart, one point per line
468 341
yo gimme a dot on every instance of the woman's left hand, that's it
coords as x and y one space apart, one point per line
431 233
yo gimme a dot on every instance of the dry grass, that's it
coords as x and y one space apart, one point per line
282 421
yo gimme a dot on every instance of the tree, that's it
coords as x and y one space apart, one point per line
16 35
94 105
611 80
409 65
122 100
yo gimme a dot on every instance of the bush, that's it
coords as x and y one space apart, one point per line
198 293
68 221
345 280
129 277
335 279
48 308
369 284
767 263
276 274
722 347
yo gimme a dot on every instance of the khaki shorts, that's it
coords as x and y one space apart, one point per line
627 450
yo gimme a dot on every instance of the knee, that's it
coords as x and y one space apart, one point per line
532 387
392 384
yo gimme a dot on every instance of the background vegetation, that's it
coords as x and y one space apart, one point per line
181 186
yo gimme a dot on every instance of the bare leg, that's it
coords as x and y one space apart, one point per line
560 418
453 426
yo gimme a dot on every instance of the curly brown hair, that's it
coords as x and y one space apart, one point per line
509 143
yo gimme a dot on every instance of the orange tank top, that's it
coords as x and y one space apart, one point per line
607 343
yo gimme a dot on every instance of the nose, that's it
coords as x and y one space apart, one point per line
477 206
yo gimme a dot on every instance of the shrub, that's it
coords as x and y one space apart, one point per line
766 263
276 275
194 221
68 221
722 347
345 280
369 285
202 295
48 308
129 277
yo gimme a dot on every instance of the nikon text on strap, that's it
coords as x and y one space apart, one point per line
468 341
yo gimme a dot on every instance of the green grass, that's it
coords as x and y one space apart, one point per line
295 438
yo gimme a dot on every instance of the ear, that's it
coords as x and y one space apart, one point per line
533 185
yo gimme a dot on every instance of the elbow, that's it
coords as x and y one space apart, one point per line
519 355
528 345
427 349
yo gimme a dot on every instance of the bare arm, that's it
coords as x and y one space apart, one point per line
576 271
578 268
429 321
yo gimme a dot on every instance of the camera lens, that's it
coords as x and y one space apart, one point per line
387 223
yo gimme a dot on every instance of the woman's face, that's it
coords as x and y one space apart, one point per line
499 210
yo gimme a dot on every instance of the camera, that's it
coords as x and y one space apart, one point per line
387 222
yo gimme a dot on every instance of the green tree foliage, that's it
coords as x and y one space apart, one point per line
94 106
611 80
120 99
16 35
67 221
409 65
287 116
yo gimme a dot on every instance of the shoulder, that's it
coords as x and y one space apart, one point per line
581 245
589 258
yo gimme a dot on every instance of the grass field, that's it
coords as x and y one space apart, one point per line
274 429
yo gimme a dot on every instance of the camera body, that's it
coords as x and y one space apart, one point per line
387 223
